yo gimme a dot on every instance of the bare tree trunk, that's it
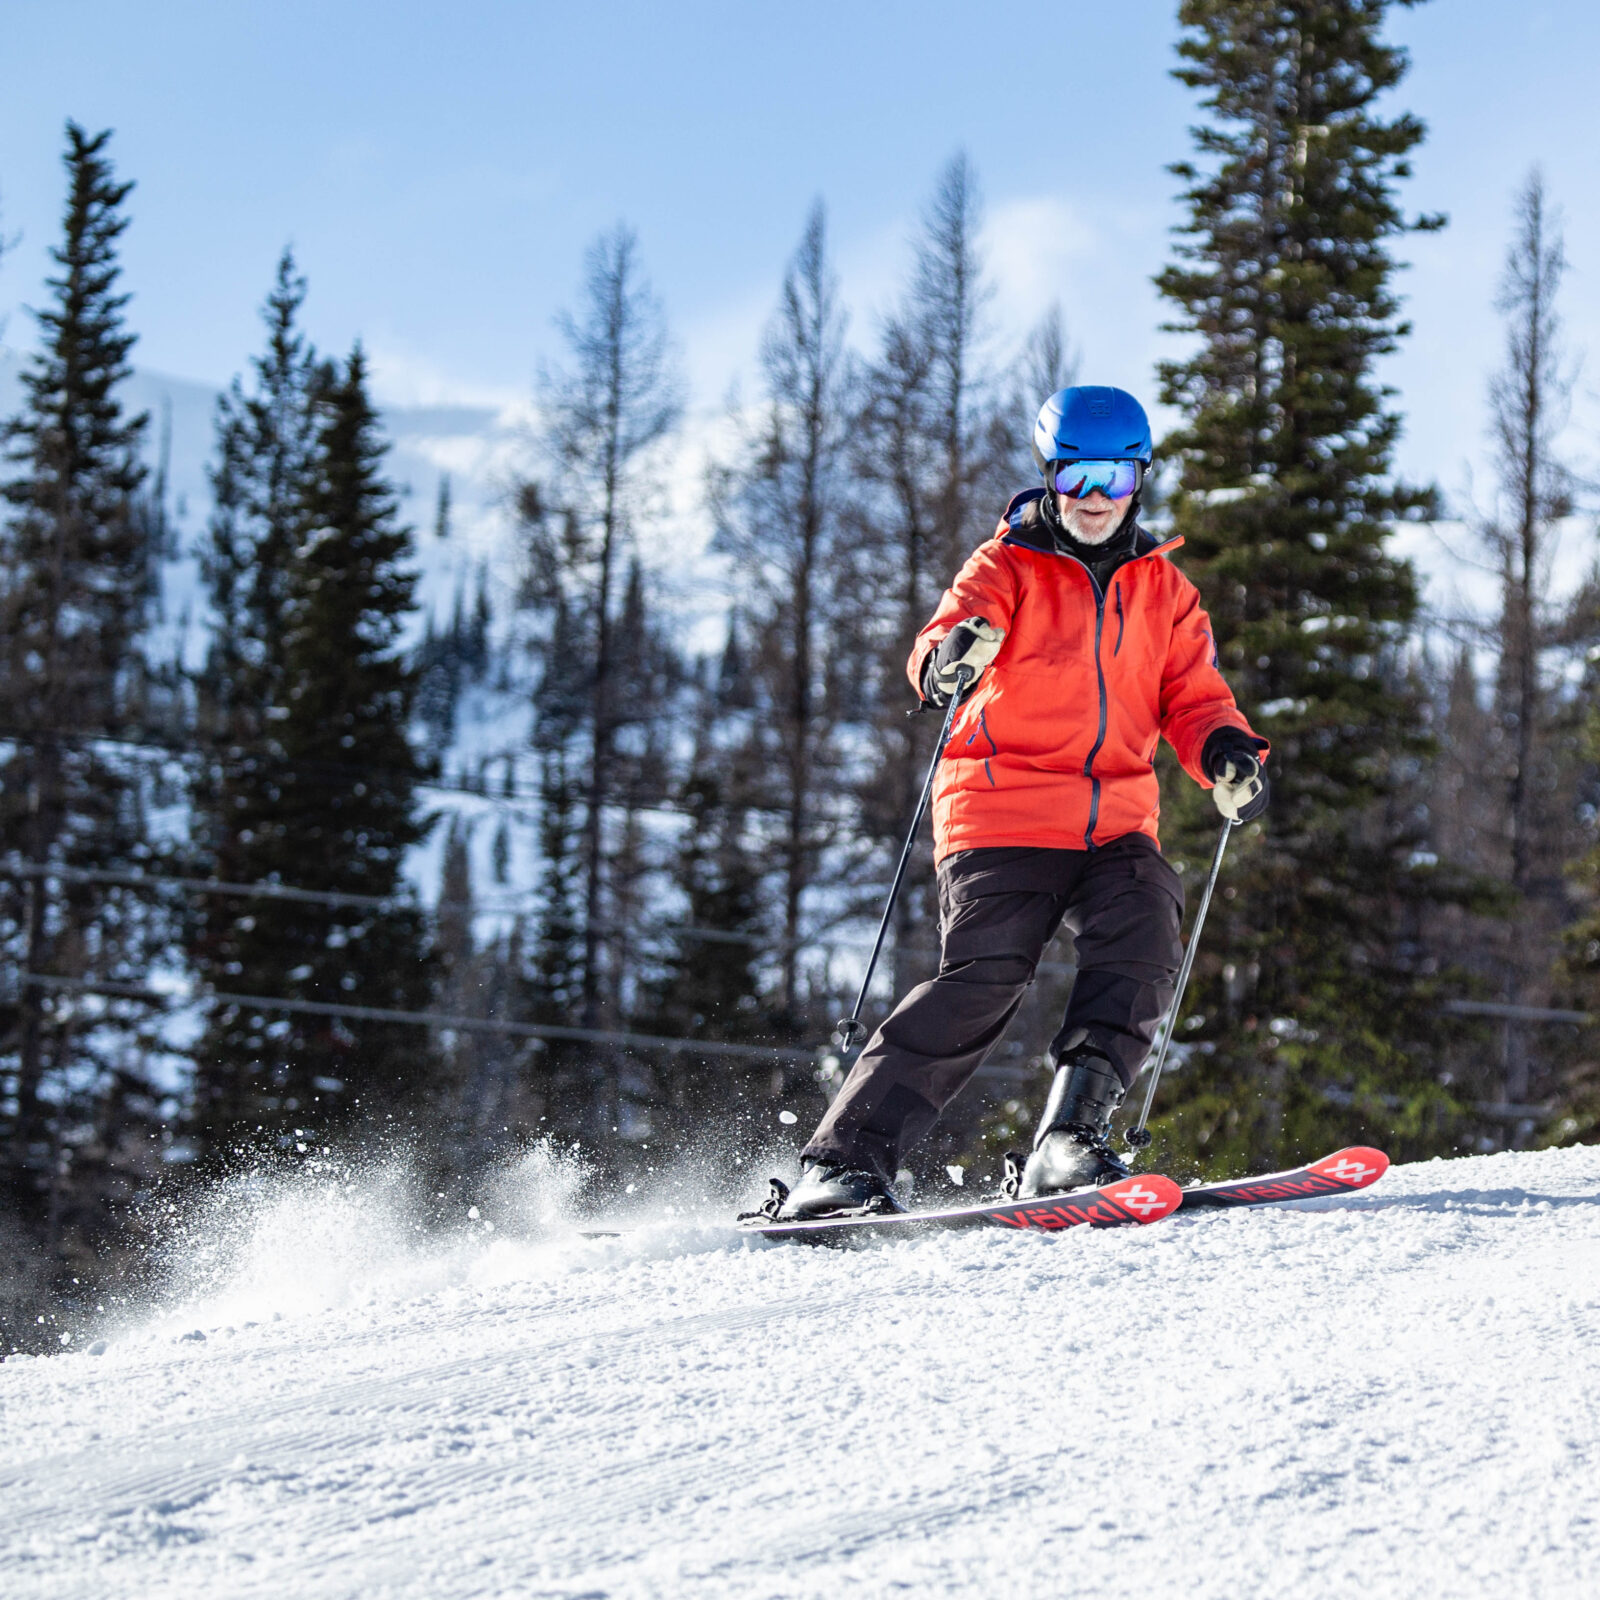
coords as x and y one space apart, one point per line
1528 401
601 718
779 508
616 401
796 843
45 807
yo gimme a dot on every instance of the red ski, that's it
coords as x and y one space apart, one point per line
1127 1202
1341 1173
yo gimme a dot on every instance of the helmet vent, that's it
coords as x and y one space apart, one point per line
1100 406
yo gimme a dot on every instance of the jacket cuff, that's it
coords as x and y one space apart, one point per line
1215 741
1195 766
917 667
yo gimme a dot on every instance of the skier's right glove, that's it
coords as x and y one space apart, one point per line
962 655
1231 760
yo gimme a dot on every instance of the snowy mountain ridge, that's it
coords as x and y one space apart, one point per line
1394 1393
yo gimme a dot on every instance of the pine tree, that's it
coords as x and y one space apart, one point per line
441 510
550 989
711 984
338 814
649 679
262 479
454 943
260 482
1308 997
471 1100
1577 1089
75 567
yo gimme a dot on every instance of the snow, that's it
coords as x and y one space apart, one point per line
1394 1393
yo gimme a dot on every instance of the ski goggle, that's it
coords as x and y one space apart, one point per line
1114 479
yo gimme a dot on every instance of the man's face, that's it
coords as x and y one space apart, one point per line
1093 519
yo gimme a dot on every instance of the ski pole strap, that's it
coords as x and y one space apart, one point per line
1139 1136
851 1031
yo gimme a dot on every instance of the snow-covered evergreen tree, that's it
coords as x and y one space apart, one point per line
338 814
75 571
1308 991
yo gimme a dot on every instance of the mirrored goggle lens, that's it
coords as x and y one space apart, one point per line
1114 479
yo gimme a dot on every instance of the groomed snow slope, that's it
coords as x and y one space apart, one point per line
1392 1394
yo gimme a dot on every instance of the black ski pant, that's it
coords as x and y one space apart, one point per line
998 909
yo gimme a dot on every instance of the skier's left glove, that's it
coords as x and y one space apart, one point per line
1231 759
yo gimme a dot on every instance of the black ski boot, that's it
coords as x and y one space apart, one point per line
1072 1149
826 1189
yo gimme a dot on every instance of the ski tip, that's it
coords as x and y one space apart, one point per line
1353 1168
1341 1173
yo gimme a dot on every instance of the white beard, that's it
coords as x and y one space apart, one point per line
1071 522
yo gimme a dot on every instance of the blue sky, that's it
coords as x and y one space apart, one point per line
439 170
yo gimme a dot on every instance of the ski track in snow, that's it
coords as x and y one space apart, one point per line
1389 1394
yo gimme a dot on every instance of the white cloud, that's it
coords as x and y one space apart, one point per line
402 377
1032 245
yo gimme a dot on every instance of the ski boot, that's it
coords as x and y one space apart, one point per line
1072 1148
826 1189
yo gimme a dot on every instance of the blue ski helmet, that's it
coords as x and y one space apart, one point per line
1091 422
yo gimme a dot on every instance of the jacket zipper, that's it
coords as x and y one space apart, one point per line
1100 736
1117 651
1100 673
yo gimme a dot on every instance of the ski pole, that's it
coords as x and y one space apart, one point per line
851 1030
1140 1136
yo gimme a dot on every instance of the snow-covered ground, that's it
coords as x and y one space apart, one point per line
1390 1394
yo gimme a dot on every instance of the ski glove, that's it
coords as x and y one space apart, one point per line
971 645
1231 760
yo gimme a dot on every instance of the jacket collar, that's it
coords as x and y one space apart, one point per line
1024 525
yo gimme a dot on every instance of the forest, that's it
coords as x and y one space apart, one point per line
214 958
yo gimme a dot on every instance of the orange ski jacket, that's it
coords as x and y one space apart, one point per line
1055 745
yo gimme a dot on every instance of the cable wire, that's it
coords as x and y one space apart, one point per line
35 870
432 1019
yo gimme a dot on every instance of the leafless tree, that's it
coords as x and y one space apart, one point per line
1529 400
780 512
607 409
1048 362
934 460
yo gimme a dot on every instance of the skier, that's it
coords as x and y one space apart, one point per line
1077 646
